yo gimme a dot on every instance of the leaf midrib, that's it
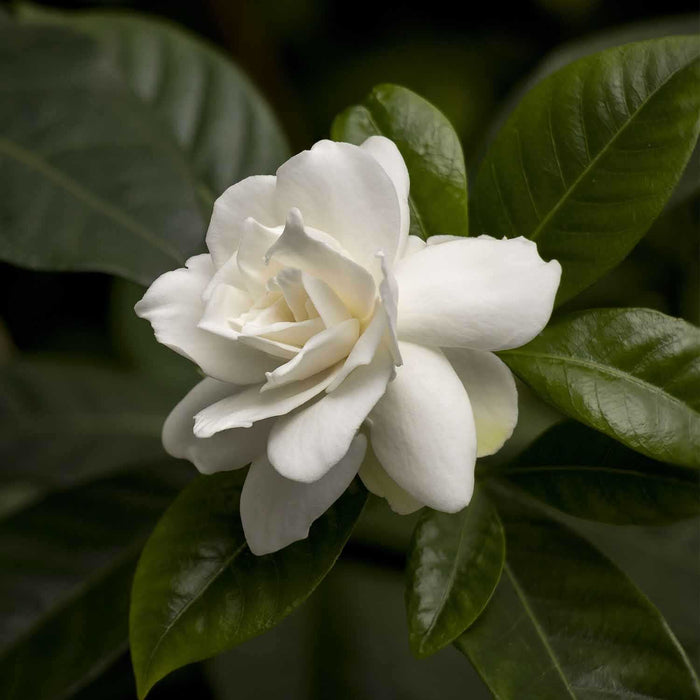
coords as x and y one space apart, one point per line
603 151
33 161
608 370
209 581
514 471
538 628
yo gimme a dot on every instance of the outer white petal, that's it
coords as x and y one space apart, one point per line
305 444
492 393
251 405
173 304
480 293
296 247
389 157
228 450
375 478
326 348
422 430
276 511
252 197
413 245
343 190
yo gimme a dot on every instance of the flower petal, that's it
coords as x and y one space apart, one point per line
297 248
323 350
479 293
224 304
328 304
414 245
422 430
251 405
386 153
253 197
343 190
305 444
276 511
230 449
255 242
288 281
376 480
173 304
492 394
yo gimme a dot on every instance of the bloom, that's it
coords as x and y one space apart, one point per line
320 322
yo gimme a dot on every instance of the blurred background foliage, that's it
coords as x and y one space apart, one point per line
310 59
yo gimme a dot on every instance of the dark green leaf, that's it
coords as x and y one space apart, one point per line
199 591
67 564
62 423
430 147
591 155
589 475
117 135
633 374
564 622
454 565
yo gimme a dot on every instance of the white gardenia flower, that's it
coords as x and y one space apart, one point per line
321 324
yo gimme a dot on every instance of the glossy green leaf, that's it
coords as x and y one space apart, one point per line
591 155
564 622
430 147
117 134
633 374
63 423
198 590
67 564
454 565
587 474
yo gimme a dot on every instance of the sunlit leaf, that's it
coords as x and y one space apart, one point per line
591 155
454 565
633 374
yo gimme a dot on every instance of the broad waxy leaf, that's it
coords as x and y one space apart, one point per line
455 561
429 146
587 474
633 374
564 622
198 590
67 564
591 155
117 135
65 423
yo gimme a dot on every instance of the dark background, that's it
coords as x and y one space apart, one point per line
311 58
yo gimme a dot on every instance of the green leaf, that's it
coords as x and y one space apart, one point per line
67 565
65 423
430 147
633 374
198 590
591 155
117 134
564 622
589 475
454 564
